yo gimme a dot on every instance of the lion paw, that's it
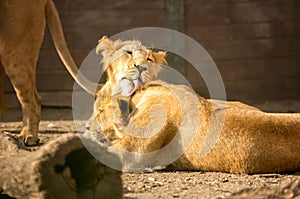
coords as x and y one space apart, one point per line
28 140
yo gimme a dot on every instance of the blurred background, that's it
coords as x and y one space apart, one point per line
255 44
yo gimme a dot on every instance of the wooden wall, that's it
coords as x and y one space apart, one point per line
255 43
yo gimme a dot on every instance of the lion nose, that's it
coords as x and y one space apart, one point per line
140 68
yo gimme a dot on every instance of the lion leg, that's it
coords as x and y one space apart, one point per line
23 81
20 66
2 99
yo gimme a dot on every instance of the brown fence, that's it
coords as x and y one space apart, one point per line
255 43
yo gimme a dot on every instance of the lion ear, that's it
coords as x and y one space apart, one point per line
160 57
106 46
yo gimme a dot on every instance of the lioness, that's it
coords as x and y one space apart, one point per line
161 119
22 25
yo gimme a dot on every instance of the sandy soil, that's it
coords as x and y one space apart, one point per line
163 184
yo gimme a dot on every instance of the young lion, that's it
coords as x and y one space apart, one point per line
164 124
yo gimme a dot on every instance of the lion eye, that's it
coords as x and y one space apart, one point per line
128 52
148 59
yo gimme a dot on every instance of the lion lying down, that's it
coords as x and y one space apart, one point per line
171 121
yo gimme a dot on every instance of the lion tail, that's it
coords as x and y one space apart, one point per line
54 24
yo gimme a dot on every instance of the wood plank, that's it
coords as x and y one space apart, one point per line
277 106
190 3
251 90
242 77
49 99
176 21
59 81
263 68
197 82
263 89
83 38
54 81
296 45
249 12
241 31
245 49
91 68
50 61
296 9
220 2
175 15
7 86
297 26
56 99
256 90
108 5
104 18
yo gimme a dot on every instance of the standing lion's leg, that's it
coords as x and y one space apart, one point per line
20 65
23 78
2 99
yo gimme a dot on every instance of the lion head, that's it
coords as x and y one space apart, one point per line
128 60
102 120
122 60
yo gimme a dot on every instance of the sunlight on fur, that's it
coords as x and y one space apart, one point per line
251 141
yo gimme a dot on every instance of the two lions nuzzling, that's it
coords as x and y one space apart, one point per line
246 139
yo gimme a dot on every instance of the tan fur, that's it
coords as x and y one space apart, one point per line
22 30
123 63
249 141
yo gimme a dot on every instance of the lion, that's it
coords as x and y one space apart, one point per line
135 62
162 125
21 34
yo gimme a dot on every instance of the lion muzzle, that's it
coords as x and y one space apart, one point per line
126 87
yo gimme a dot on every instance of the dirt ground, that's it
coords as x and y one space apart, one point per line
166 184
